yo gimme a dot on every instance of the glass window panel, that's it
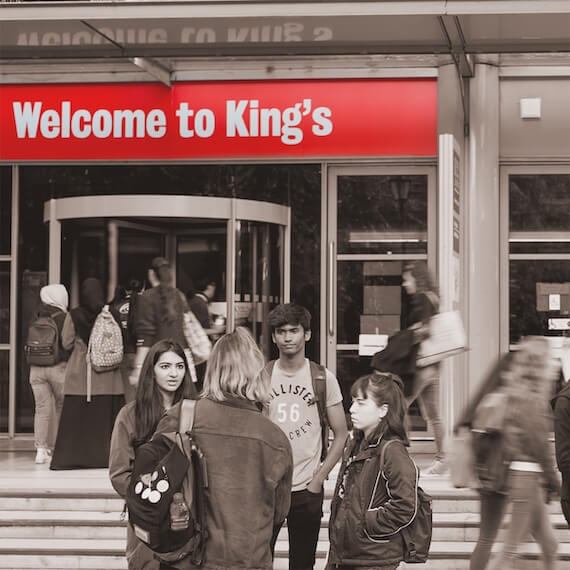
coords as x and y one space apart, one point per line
297 185
4 302
351 366
137 249
201 254
540 246
532 309
4 389
539 202
29 294
371 299
382 214
5 209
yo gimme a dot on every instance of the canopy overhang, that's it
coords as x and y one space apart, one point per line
186 28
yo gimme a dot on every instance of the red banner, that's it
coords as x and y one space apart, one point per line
219 120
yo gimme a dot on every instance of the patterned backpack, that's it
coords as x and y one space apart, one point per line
105 349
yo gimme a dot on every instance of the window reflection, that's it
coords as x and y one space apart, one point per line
539 283
382 214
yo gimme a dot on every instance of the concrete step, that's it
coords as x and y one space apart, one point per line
451 550
104 554
101 525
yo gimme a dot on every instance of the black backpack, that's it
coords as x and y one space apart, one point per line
416 536
170 463
319 380
42 344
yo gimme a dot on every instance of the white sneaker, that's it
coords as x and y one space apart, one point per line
436 468
43 455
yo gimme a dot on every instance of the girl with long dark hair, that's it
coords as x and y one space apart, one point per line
372 503
164 381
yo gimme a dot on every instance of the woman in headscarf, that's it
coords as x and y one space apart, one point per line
85 428
47 381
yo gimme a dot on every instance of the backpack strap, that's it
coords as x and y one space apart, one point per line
319 380
88 379
268 369
187 412
383 452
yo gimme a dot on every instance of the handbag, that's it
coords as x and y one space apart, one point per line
461 464
446 338
197 339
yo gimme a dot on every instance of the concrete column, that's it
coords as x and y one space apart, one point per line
454 386
482 217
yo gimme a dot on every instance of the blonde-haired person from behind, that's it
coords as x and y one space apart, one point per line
48 382
248 458
529 384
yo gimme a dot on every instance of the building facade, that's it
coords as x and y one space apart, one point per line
299 151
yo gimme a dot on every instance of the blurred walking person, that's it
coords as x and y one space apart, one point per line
525 380
419 284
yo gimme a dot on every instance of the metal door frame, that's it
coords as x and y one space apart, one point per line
159 206
329 263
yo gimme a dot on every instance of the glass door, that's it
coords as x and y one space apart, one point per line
259 286
378 218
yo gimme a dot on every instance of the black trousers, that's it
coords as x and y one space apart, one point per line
303 525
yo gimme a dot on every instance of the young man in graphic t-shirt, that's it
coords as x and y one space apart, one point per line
293 409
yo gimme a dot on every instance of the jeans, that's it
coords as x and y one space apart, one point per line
529 513
303 524
493 506
47 384
426 391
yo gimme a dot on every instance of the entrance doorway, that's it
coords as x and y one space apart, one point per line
242 245
378 218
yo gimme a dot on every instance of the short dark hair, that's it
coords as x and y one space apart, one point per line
289 314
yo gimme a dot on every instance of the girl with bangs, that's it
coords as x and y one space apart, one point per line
373 503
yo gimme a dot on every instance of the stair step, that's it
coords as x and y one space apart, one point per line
448 549
75 562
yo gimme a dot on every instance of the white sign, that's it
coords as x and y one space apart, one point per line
559 324
554 302
370 344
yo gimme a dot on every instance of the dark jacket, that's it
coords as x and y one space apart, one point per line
199 306
370 507
250 465
561 405
152 324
